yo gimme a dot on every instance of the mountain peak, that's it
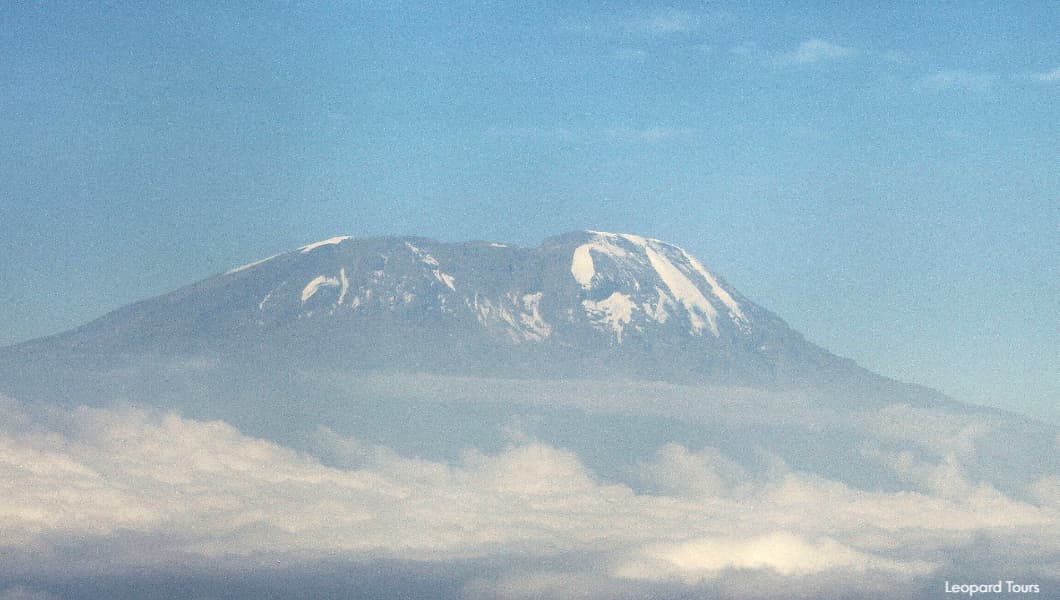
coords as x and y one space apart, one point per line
585 302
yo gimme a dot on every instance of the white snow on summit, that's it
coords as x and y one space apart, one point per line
677 269
629 284
724 296
327 242
249 265
685 292
582 266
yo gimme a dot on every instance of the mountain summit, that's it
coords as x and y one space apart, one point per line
584 304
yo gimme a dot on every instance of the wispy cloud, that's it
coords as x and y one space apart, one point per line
814 51
630 54
668 23
958 79
642 25
898 57
1048 76
649 134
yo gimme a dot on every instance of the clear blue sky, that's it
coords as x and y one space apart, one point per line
887 179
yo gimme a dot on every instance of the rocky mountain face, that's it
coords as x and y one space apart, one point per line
585 305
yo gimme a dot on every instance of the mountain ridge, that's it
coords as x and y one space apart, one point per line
583 304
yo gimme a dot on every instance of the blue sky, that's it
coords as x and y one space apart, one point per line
887 179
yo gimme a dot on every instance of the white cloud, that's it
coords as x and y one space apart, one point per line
1048 76
785 553
814 51
87 479
678 471
959 80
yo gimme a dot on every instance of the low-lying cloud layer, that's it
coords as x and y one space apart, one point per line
115 491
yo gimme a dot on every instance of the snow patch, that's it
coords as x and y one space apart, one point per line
327 242
314 285
582 267
700 311
261 305
488 312
536 327
423 256
345 285
616 311
249 265
445 278
719 292
526 326
636 239
658 312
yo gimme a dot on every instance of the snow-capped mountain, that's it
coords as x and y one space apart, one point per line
342 395
584 304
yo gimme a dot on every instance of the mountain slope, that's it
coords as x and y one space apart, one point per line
584 304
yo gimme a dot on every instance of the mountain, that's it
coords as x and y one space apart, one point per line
581 305
601 416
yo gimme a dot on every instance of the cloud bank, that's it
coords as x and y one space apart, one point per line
115 491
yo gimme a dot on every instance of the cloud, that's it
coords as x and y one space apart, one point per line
645 26
630 54
935 430
677 471
649 134
959 80
814 51
1048 76
898 57
119 490
785 553
668 23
